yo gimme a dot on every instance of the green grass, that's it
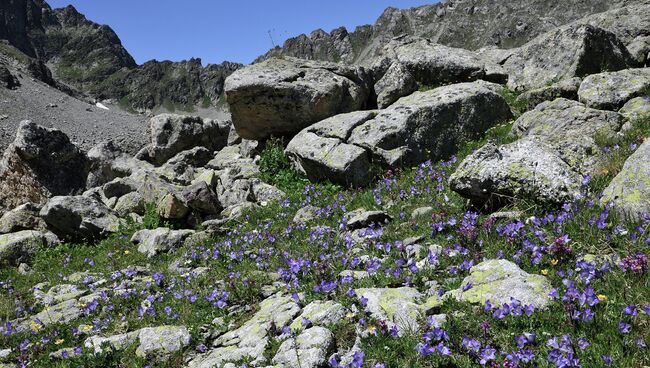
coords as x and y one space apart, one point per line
268 233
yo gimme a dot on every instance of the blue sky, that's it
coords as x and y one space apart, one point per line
218 30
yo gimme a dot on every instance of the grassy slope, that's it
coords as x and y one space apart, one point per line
273 240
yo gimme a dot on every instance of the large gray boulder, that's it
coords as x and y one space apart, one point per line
423 125
572 129
575 50
39 164
408 63
629 191
320 151
611 90
171 134
79 217
108 162
21 247
153 242
526 169
431 124
280 97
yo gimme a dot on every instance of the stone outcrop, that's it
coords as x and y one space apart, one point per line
424 125
22 246
172 134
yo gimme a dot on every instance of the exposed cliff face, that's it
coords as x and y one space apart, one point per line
168 84
468 24
90 57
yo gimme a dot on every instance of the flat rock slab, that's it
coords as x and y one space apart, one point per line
249 341
611 90
500 281
400 307
308 350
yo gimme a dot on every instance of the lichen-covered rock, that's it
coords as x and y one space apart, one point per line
414 62
636 108
611 90
572 129
22 246
172 134
523 169
629 191
283 96
310 349
431 124
157 190
397 82
399 307
23 217
162 340
39 164
499 281
320 151
424 125
153 342
153 242
320 313
575 50
76 217
264 193
306 214
249 341
566 88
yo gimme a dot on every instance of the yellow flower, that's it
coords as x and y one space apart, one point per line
86 328
555 262
602 297
126 252
371 329
36 326
59 341
545 272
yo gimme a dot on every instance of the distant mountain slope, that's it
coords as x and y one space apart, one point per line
91 58
469 24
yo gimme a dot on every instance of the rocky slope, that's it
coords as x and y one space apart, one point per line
375 237
90 58
468 24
